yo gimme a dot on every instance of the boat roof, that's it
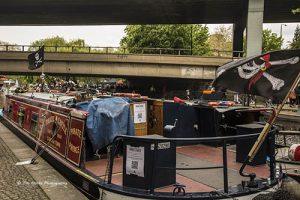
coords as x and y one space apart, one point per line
60 98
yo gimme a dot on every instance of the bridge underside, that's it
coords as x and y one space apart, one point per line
95 12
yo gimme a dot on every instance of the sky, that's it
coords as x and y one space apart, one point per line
101 36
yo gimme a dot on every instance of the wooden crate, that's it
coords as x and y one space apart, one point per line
155 117
140 125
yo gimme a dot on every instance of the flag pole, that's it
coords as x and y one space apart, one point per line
265 131
43 75
43 69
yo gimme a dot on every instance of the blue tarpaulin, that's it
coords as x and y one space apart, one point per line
107 119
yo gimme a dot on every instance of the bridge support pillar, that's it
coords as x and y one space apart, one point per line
238 38
239 26
255 27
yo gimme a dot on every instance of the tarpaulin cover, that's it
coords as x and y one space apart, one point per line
107 119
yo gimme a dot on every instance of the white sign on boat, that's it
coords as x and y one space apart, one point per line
135 160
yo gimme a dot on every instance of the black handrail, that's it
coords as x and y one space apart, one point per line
223 139
192 140
225 167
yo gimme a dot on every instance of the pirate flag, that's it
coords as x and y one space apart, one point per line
270 75
36 59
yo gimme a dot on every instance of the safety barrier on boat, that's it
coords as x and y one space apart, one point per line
179 190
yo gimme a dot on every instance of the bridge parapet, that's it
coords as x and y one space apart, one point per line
122 50
127 58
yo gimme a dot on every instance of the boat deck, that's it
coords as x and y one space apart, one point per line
194 180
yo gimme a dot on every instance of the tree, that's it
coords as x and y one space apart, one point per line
295 44
271 41
221 40
176 36
61 45
296 11
13 47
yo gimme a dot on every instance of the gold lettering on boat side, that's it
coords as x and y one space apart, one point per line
49 120
59 136
76 131
62 125
54 143
59 121
57 144
73 148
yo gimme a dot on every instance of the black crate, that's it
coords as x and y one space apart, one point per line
243 146
165 157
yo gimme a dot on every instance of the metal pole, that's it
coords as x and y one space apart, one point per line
111 162
281 29
152 178
271 153
225 169
192 39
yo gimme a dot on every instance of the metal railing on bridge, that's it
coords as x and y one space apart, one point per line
124 50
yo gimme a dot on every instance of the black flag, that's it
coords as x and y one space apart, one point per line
36 59
270 75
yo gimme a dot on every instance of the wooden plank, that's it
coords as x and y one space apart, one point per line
288 133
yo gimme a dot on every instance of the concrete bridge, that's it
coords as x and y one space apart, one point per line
93 12
244 14
117 65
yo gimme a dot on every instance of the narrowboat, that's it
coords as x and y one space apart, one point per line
141 148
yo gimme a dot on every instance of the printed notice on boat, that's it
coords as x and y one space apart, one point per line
135 159
139 110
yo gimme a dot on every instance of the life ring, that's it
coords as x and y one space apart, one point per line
294 152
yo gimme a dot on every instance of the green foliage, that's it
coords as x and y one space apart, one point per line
295 44
9 48
221 40
296 11
176 36
29 79
59 44
271 41
24 80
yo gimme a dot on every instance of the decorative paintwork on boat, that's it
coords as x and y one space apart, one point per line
40 117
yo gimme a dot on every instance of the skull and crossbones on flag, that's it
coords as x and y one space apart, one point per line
36 59
269 75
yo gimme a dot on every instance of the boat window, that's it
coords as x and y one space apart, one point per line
54 128
34 123
9 110
21 116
